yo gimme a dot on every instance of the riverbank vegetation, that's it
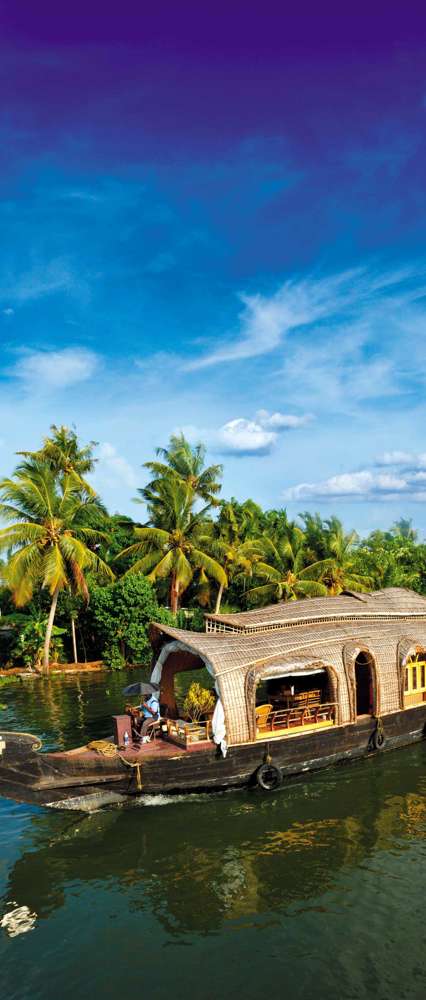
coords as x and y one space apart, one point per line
79 583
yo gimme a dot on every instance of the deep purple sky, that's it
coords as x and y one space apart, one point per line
212 210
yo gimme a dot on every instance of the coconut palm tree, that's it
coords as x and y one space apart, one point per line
339 571
404 529
64 455
287 575
50 539
185 463
170 548
223 540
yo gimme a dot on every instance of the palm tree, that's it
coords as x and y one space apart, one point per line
63 454
51 541
223 539
338 570
316 535
287 576
404 529
170 548
185 463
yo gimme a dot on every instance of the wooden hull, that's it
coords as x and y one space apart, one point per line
87 779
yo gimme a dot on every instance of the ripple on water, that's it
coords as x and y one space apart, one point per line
315 891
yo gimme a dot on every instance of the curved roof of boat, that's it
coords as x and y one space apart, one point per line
303 631
395 602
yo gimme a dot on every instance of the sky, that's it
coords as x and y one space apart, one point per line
213 220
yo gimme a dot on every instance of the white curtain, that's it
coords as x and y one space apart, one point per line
218 727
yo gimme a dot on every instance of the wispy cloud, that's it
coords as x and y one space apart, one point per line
402 459
114 467
56 369
352 298
405 477
41 280
242 436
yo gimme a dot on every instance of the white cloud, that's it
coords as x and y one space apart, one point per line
114 467
8 312
248 437
406 478
402 459
282 421
348 484
244 437
56 369
358 298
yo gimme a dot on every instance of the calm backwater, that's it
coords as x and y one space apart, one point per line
315 891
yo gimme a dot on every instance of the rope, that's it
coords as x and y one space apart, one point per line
105 747
108 749
380 729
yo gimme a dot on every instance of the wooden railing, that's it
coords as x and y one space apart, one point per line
305 715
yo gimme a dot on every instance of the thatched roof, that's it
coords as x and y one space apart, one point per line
332 636
391 603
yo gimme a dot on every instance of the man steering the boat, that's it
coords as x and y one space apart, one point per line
150 712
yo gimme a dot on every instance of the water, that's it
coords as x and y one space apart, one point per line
312 892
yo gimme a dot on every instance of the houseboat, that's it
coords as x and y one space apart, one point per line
300 686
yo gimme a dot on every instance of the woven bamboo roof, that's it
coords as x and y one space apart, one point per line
227 652
390 603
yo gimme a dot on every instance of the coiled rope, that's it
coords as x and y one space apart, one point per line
108 749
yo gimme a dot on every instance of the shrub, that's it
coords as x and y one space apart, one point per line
121 613
199 701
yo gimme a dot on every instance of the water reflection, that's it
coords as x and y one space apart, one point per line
315 891
65 711
202 861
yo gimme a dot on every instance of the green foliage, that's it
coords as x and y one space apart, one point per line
53 530
172 549
119 531
392 560
199 701
29 642
61 545
195 622
121 614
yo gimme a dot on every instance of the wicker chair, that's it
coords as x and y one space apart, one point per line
262 716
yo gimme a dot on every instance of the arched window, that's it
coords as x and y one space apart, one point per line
415 679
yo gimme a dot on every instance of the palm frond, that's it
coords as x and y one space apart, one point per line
20 534
184 571
55 572
163 568
211 566
267 592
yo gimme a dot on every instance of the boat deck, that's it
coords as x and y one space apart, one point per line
138 752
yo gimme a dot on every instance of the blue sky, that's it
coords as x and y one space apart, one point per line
216 223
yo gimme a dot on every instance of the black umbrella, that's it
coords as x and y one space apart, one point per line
141 687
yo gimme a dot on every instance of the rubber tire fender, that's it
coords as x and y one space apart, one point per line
268 777
378 739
